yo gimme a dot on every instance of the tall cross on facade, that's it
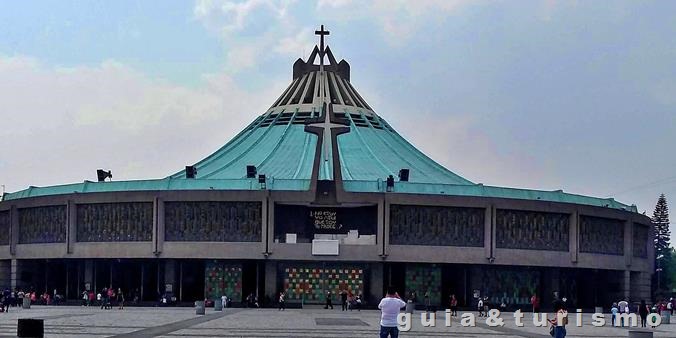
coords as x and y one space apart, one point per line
321 34
327 125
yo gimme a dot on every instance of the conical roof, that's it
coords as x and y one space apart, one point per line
279 146
320 129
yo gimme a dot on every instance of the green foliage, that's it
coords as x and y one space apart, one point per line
670 271
663 252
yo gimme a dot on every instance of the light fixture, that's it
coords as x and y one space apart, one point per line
403 175
102 175
251 171
190 171
261 180
390 183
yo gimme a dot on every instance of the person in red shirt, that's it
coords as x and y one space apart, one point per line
536 303
454 306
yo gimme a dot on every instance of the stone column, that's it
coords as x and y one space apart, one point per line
14 274
71 226
13 230
158 226
264 224
494 218
628 241
380 233
270 221
386 226
488 232
573 236
626 284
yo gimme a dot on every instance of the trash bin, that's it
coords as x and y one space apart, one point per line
666 316
410 307
640 334
218 305
26 303
30 327
598 309
199 307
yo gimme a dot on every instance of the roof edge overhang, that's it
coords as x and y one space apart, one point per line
378 186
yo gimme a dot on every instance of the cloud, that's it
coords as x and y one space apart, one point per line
459 143
61 124
298 42
398 20
256 30
233 16
253 30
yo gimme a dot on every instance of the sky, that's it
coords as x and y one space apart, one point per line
574 95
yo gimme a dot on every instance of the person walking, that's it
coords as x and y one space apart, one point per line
12 298
643 312
110 298
343 300
101 297
427 301
559 326
613 311
390 306
454 306
535 302
329 303
120 299
282 305
480 307
20 296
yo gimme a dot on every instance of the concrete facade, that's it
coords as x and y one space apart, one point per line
635 271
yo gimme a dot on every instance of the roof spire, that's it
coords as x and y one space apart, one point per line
321 34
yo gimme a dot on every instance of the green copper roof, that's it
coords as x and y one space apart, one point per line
281 146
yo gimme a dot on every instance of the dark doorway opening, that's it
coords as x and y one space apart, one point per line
192 285
127 276
101 274
75 278
396 277
454 282
153 276
249 282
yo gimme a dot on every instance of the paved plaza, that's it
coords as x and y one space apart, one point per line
72 321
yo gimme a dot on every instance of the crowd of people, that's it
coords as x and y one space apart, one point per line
105 298
348 300
642 309
14 298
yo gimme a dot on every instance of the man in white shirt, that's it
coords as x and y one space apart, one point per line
390 307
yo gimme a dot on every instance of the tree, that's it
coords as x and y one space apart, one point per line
662 237
671 271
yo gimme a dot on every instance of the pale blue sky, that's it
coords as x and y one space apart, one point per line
578 95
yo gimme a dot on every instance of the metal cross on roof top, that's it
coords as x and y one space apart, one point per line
321 34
